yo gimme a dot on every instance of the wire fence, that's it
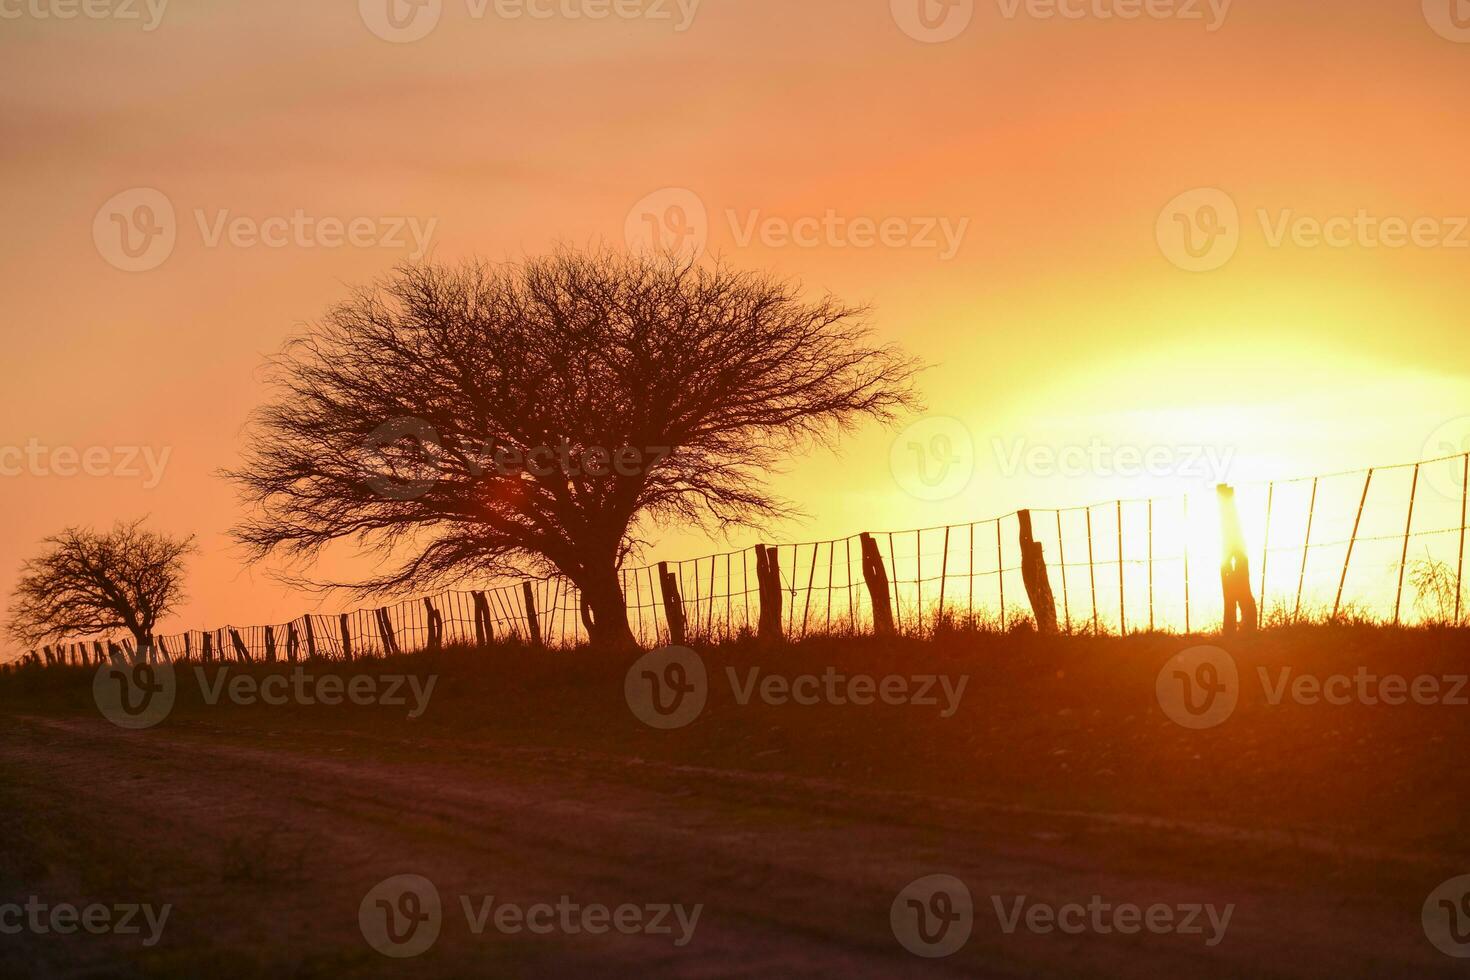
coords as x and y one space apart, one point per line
1384 545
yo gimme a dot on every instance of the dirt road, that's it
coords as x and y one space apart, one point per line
265 849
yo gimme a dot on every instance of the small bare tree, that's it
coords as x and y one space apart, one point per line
89 583
484 421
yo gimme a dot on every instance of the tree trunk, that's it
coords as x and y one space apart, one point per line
143 644
607 619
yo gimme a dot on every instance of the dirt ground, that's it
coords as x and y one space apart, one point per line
793 828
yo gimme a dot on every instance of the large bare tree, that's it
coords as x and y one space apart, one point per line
90 583
477 421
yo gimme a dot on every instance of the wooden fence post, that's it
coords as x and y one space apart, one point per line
1034 576
1235 576
293 643
270 644
876 577
668 586
310 637
242 653
207 653
484 630
533 625
436 626
385 630
768 575
346 629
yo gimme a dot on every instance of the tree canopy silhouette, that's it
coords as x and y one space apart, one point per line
88 583
491 420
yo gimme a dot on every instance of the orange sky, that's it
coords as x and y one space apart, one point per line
1054 143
